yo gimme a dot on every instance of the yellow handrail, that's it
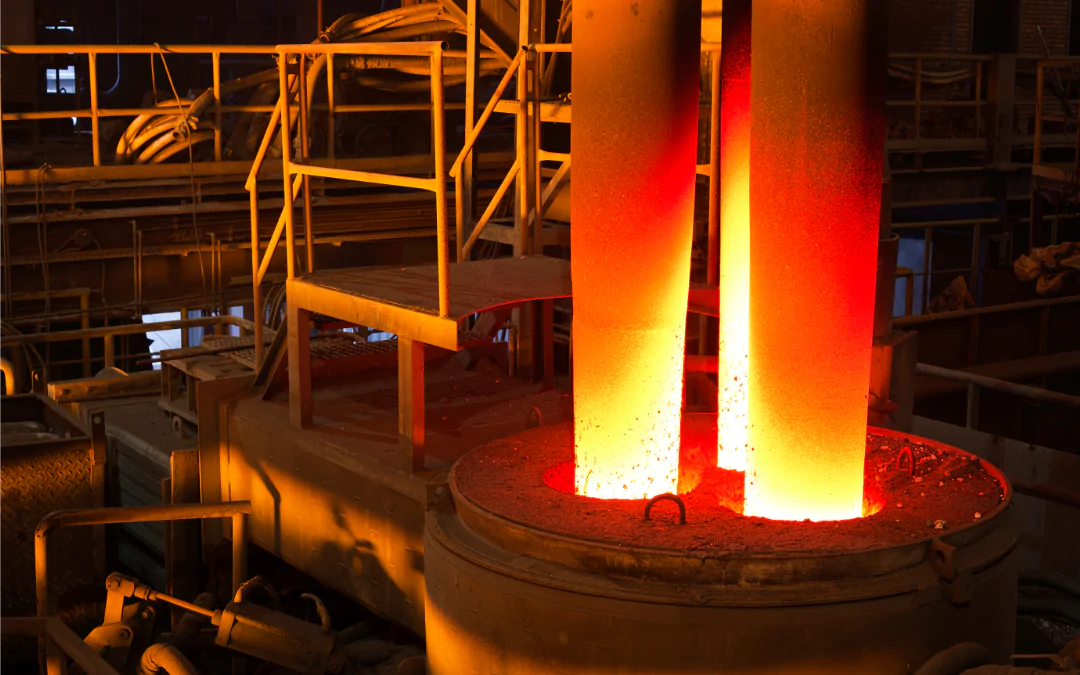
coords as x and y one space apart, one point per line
490 108
490 210
264 146
294 170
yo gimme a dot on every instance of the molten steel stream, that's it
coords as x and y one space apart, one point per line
734 234
634 143
815 191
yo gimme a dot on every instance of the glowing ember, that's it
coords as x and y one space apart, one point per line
634 143
734 235
815 193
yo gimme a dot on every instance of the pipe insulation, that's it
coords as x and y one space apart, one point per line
634 141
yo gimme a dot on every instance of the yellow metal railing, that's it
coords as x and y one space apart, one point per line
95 112
912 67
543 198
1073 65
296 172
101 170
516 68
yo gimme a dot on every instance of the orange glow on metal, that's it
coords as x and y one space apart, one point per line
634 143
815 191
734 235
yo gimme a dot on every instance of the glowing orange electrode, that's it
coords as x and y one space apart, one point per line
734 148
815 190
634 143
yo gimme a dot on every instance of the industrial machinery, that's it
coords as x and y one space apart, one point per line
668 426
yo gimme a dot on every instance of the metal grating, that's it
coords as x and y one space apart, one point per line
34 482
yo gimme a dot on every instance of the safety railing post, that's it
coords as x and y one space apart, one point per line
330 121
256 299
305 152
459 217
215 58
464 182
1039 85
978 99
110 352
84 323
439 126
534 161
286 161
521 149
94 133
918 98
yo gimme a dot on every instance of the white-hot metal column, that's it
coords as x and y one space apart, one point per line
815 191
634 144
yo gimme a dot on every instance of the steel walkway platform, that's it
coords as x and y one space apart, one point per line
405 300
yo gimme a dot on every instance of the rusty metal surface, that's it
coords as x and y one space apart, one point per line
36 479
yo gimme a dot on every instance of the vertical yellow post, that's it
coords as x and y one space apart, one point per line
464 190
84 315
110 352
95 139
521 140
305 151
438 125
286 161
215 58
256 295
331 133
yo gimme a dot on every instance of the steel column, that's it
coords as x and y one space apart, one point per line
286 161
411 429
299 348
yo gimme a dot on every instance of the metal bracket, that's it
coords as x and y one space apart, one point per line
115 641
119 587
667 495
957 581
439 496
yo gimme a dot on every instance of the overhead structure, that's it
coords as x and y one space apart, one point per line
815 194
634 143
734 148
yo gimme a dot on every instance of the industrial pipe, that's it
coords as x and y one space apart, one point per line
956 659
634 142
9 376
237 511
734 196
191 623
817 104
127 329
167 659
